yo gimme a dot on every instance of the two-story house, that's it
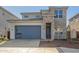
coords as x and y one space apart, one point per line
45 25
73 27
4 25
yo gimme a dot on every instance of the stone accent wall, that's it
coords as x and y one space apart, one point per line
60 23
48 18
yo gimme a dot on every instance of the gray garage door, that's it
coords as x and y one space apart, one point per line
28 32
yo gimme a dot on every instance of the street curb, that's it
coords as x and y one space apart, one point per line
60 50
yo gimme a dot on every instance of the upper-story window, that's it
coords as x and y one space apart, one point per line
37 16
26 16
31 16
58 14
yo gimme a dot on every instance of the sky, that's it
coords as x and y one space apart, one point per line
16 10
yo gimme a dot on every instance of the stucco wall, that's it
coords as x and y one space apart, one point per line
4 25
74 27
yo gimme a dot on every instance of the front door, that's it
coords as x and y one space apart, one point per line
77 34
48 30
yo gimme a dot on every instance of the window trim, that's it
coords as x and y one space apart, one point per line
57 13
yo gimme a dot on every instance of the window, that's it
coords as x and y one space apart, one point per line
26 16
33 16
58 14
61 33
37 16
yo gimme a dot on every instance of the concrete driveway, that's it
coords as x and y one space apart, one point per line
21 43
25 46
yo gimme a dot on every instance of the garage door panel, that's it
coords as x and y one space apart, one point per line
28 32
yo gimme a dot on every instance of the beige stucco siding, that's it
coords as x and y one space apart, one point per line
74 25
74 28
4 25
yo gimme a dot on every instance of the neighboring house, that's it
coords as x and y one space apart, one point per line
73 27
45 25
4 25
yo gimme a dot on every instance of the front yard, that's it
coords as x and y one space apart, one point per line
3 40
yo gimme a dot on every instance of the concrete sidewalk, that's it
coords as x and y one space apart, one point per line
27 50
67 50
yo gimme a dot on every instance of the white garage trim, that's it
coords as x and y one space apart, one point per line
12 28
28 24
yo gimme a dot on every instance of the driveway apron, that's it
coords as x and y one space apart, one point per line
21 43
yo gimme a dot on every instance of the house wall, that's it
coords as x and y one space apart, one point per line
4 25
47 17
74 28
48 20
59 23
